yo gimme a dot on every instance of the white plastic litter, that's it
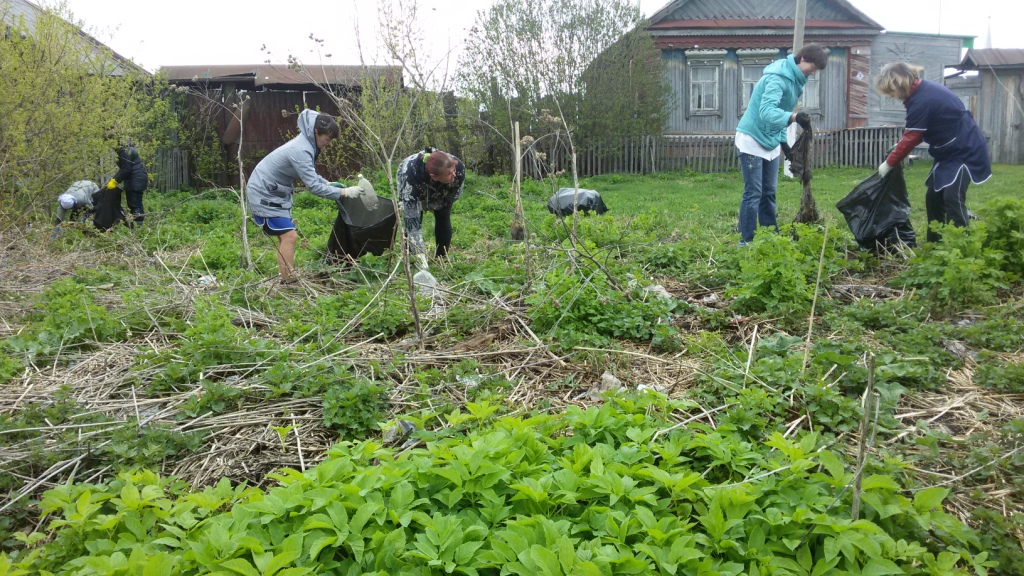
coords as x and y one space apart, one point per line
425 282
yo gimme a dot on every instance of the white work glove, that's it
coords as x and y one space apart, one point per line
883 169
421 261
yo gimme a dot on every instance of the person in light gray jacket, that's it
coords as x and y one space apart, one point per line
270 188
78 197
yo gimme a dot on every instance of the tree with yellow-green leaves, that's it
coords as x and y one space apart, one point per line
65 102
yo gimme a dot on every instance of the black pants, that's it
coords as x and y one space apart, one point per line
442 230
947 205
135 206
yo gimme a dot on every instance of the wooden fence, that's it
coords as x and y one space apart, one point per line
170 169
859 147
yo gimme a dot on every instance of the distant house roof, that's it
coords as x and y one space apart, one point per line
978 58
29 13
683 24
265 76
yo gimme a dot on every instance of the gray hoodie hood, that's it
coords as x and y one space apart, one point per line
270 188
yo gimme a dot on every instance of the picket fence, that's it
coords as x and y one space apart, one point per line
170 169
858 147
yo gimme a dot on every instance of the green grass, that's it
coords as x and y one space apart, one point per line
701 205
185 340
712 201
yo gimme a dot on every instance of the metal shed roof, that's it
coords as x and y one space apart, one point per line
280 74
992 58
29 13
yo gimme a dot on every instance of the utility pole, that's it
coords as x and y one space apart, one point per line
798 27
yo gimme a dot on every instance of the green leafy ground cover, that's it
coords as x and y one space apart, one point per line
120 354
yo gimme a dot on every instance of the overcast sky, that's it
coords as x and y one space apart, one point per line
157 33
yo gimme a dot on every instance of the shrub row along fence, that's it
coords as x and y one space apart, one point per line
858 147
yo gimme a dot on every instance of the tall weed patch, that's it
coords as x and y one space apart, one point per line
959 271
777 274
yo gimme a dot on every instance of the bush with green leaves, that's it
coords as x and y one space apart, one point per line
777 274
1004 223
355 406
210 348
67 317
958 272
991 372
594 491
671 258
583 305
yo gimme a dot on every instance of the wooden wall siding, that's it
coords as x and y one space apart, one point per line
265 127
673 67
934 53
832 82
860 147
774 9
1001 118
169 170
859 84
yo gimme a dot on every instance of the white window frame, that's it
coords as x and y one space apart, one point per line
704 59
754 59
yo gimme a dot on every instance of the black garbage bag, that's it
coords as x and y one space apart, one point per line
589 201
108 208
358 231
878 211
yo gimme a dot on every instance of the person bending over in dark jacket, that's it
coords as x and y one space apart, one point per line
936 116
270 188
429 180
132 173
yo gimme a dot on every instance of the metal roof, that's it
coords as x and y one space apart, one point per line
29 12
977 58
737 12
747 41
280 74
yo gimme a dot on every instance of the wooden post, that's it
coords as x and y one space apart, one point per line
862 455
242 200
518 218
798 27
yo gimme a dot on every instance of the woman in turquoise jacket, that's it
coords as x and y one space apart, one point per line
761 134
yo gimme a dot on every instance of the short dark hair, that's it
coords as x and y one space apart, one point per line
813 53
326 125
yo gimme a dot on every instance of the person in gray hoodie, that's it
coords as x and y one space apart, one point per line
270 188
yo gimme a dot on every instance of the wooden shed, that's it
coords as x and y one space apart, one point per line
997 92
270 88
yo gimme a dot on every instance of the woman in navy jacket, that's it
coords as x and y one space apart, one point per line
936 116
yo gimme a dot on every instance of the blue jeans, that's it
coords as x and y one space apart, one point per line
760 181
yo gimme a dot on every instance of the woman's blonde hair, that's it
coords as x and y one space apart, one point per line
896 80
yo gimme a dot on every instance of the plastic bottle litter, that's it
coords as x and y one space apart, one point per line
425 282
